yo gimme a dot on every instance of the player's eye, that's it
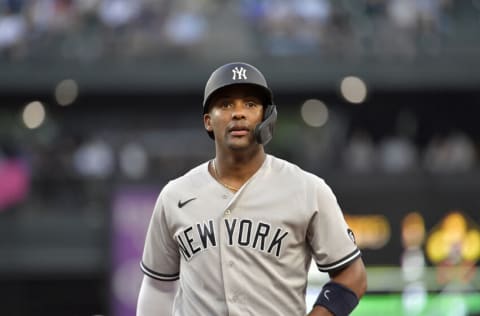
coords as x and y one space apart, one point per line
251 104
226 104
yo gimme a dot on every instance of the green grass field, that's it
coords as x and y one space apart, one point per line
431 305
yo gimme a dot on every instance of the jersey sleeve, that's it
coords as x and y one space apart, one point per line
332 242
160 258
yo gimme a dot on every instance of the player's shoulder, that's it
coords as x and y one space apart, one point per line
293 171
300 180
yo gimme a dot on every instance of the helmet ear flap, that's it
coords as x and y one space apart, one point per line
264 130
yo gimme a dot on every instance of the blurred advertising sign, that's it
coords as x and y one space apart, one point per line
445 236
453 245
371 231
131 211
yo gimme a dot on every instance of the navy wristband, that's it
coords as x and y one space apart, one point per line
337 298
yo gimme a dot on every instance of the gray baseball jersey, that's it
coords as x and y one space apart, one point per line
245 253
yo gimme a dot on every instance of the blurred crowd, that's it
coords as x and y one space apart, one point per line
91 30
130 153
56 167
452 153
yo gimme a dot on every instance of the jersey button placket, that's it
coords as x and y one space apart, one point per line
225 258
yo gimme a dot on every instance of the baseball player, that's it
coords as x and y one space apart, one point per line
236 234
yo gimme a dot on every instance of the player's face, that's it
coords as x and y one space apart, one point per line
234 113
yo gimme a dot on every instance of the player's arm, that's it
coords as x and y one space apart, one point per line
354 277
160 264
156 297
345 288
335 252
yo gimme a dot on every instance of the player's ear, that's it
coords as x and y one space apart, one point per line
207 122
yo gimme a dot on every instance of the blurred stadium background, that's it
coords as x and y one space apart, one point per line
100 105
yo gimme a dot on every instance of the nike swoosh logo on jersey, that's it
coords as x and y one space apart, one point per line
182 204
326 296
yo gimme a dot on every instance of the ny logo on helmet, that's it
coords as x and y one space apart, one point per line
239 73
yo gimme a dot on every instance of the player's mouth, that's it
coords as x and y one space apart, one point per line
239 130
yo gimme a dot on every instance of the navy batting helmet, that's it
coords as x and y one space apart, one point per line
243 73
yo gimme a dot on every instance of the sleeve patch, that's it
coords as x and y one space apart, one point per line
351 235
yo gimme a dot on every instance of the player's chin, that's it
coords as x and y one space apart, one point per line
235 142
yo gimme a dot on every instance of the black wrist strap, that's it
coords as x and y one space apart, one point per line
337 298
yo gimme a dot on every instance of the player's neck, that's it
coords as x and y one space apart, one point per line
235 169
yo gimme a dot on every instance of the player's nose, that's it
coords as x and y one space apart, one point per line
238 109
